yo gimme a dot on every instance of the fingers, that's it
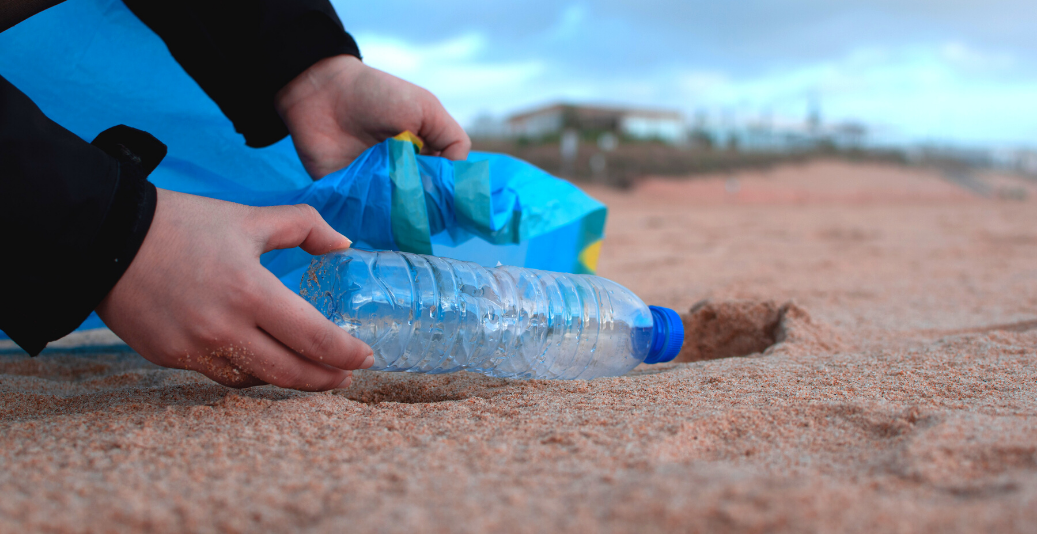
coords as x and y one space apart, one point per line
269 361
297 226
260 360
299 326
214 366
443 134
458 150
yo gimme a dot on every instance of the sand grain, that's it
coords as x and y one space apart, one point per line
891 386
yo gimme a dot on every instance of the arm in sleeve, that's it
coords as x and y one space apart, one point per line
242 52
73 216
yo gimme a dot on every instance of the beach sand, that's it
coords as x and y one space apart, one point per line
863 358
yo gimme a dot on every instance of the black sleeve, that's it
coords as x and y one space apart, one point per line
73 216
241 52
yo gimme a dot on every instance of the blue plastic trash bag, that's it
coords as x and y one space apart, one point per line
91 64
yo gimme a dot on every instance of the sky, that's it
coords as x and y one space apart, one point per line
947 71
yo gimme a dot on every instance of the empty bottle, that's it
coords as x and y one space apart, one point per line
437 315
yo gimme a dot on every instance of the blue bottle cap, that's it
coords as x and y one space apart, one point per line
667 335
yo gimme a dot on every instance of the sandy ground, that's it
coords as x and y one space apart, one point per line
888 320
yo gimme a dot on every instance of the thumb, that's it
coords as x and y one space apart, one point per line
297 226
443 134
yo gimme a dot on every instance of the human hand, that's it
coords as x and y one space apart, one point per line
196 297
340 107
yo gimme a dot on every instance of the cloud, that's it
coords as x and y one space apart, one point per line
971 59
569 23
452 69
921 69
909 93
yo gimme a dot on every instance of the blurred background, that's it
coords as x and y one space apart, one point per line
611 90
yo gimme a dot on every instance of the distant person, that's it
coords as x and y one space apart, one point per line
178 276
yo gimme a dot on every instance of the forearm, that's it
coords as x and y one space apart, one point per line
14 11
242 52
73 215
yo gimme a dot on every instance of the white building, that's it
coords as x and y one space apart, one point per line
664 125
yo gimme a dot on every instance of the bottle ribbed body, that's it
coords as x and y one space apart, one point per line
437 315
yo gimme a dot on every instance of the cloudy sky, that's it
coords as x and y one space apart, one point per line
919 70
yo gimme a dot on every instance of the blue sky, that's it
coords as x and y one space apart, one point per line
913 70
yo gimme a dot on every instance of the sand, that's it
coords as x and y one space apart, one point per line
860 363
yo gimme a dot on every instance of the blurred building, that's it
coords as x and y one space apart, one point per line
1020 160
487 126
760 136
664 125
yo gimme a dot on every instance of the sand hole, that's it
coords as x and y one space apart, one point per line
714 330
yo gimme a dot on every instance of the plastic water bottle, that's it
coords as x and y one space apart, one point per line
428 314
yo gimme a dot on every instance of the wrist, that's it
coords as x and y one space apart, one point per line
314 82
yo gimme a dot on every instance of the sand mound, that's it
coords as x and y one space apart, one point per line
714 330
